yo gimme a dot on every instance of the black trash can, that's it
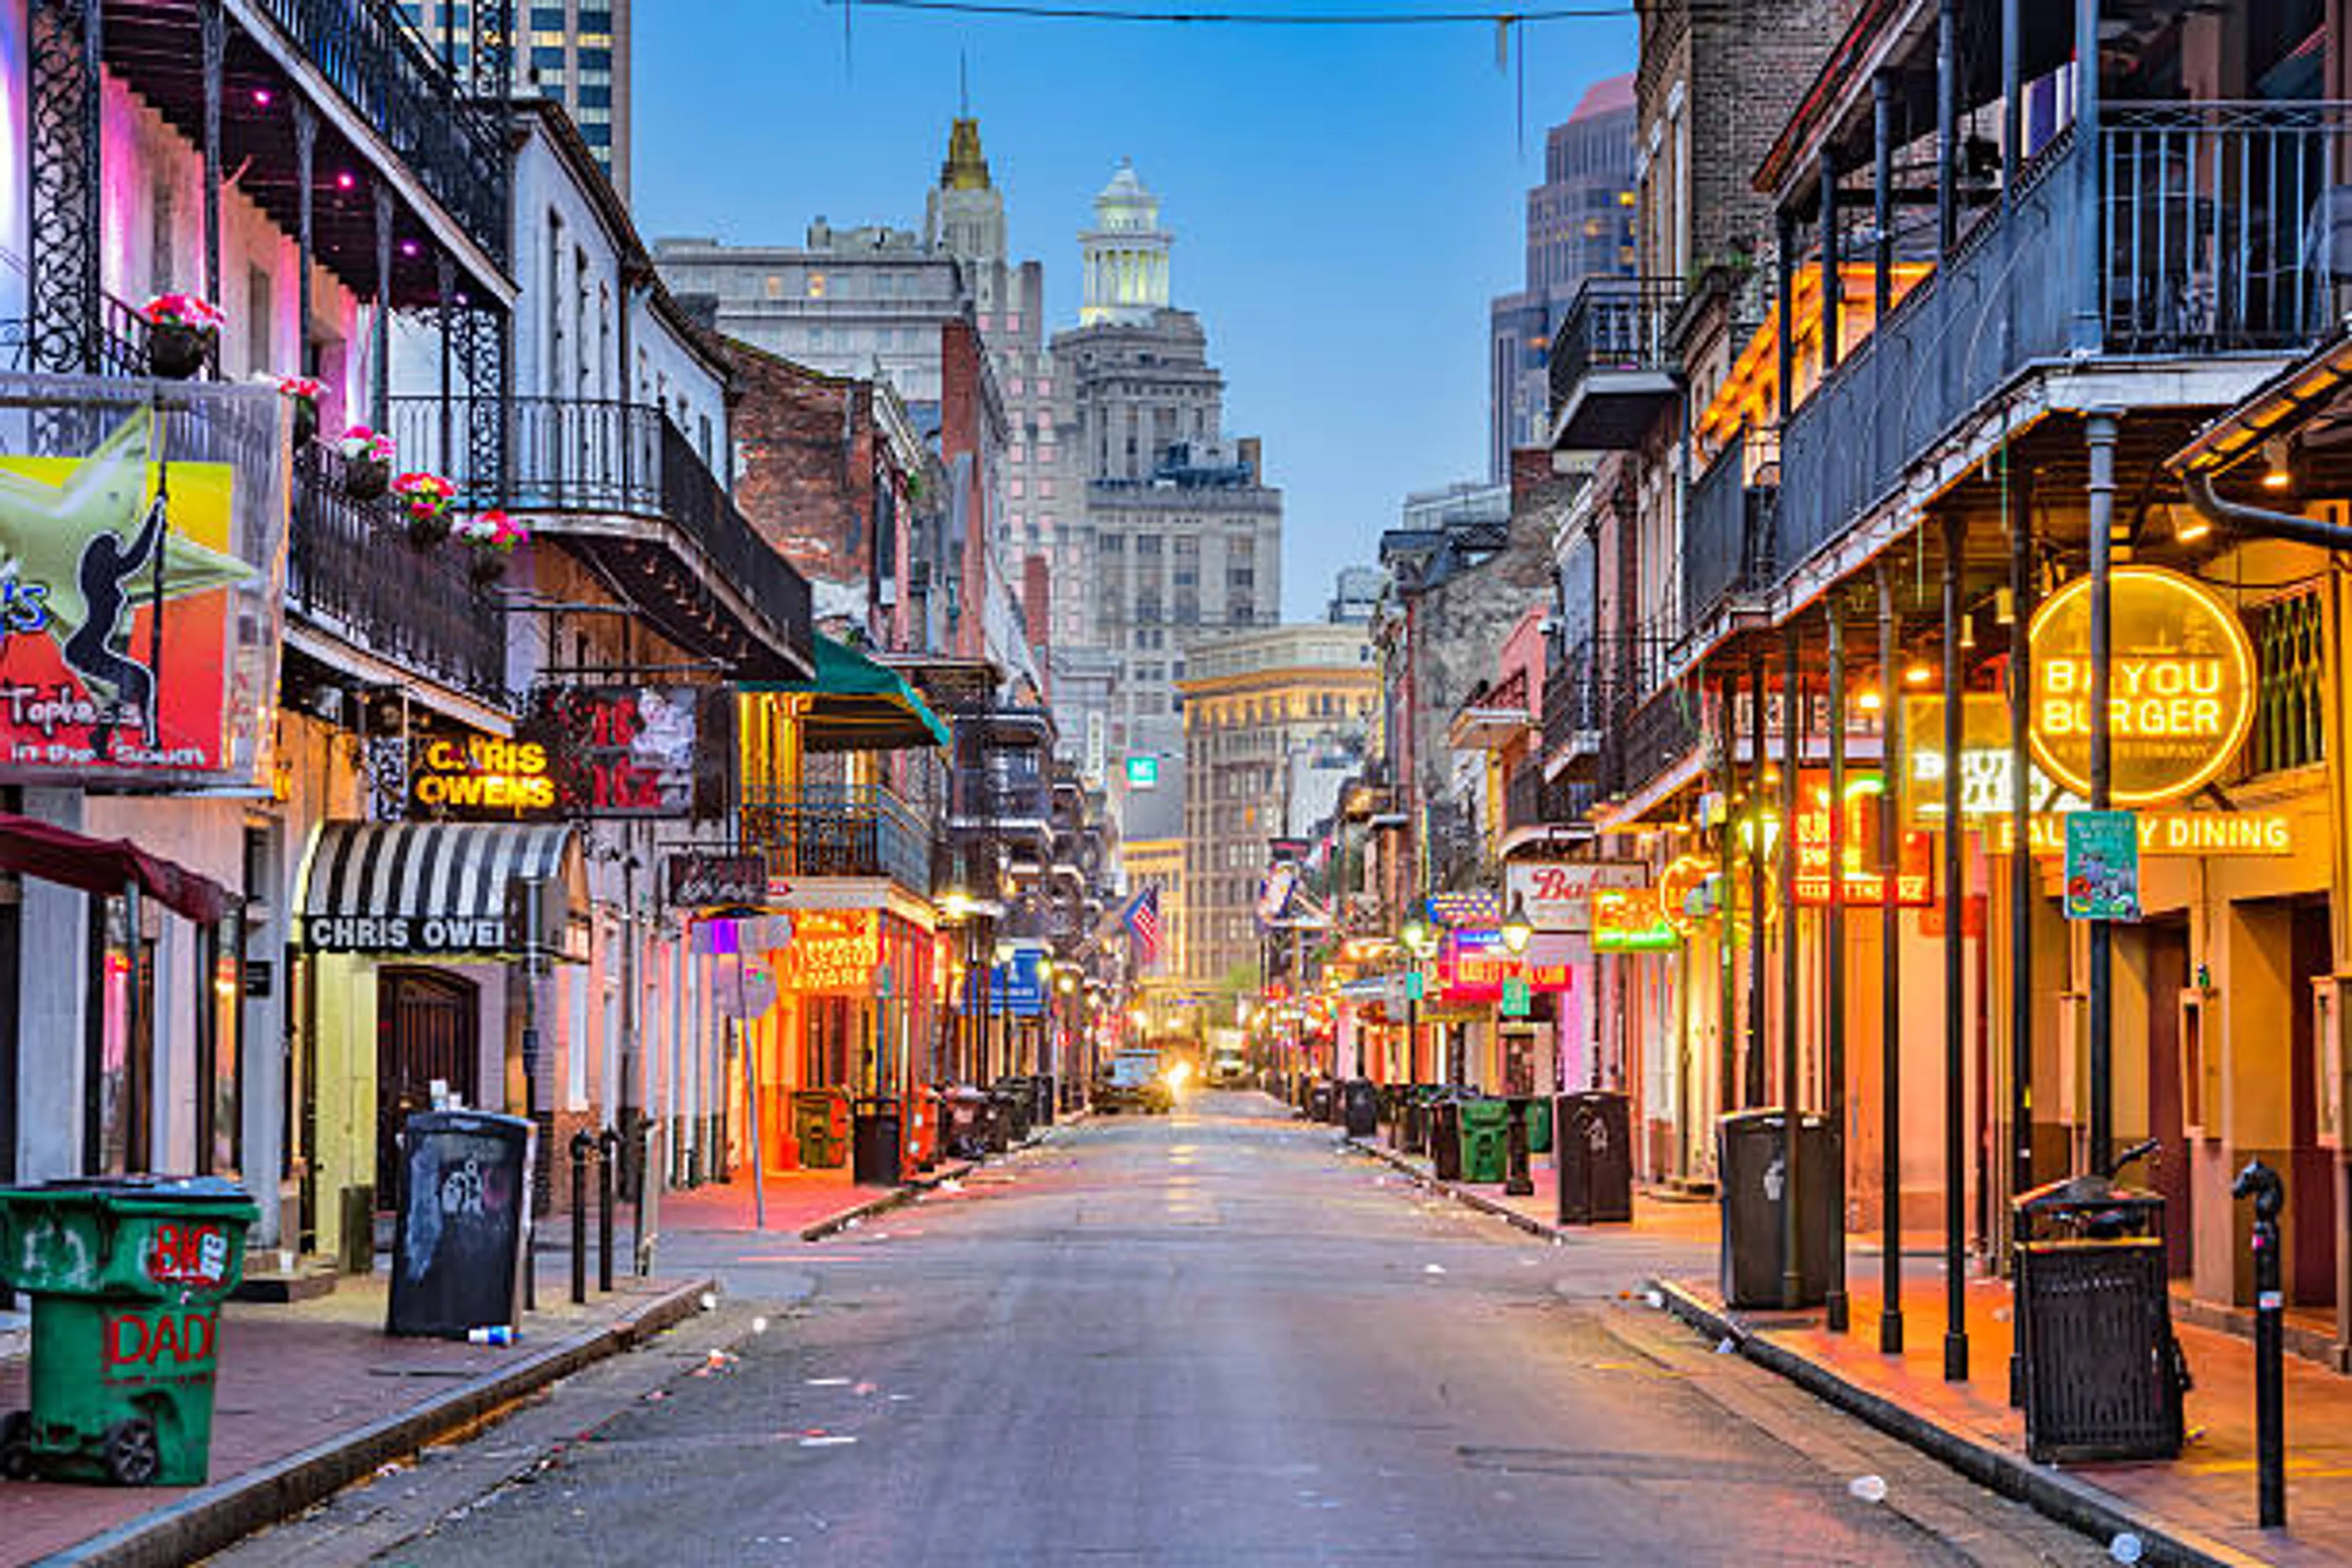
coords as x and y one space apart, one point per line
1445 1128
873 1129
465 1213
2095 1324
1009 1116
965 1114
1363 1106
1041 1109
1593 1157
1318 1100
1747 1154
1414 1122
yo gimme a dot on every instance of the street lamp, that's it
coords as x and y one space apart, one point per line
1517 930
1421 942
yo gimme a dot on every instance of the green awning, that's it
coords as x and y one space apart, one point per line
858 705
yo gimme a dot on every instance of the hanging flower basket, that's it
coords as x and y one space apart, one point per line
491 537
425 507
183 331
367 463
303 393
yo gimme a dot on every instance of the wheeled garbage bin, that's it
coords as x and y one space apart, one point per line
464 1220
1445 1128
1749 1147
126 1276
2103 1377
1486 1140
1593 1157
1362 1106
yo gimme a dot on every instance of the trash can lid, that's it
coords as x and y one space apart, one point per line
208 1192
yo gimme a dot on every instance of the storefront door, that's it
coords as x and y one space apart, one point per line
2312 1182
2168 977
428 1028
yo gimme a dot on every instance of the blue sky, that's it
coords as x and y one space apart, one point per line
1345 200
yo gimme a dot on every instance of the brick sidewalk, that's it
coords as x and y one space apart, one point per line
2204 1501
295 1378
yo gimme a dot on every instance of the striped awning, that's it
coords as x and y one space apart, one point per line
444 889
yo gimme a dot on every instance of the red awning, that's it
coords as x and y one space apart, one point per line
53 854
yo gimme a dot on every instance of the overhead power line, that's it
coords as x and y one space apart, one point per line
1040 10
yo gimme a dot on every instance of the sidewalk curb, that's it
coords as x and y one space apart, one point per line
1459 1192
218 1516
903 1193
2056 1495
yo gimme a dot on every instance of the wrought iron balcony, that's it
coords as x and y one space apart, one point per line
1613 367
619 483
2222 229
1661 731
996 799
1579 704
349 573
1726 537
846 831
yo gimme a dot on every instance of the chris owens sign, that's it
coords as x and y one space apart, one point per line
483 777
2180 686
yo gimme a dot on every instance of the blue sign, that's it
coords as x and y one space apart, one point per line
1017 988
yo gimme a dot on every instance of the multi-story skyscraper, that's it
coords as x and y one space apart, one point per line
1182 536
963 216
1273 720
575 51
1580 226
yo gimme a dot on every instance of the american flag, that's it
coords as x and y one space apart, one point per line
1143 927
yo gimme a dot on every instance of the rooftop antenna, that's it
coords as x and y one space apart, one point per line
963 86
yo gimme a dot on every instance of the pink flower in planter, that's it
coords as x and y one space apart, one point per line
424 495
358 441
301 388
493 531
184 311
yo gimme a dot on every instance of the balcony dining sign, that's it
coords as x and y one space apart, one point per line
144 536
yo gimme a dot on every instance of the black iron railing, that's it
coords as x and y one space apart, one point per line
984 795
2221 229
1614 323
696 502
845 831
385 73
1660 732
1576 698
1726 536
350 570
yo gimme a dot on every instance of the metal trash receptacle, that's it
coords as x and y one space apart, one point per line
873 1142
1752 1175
1361 1107
464 1220
1593 1157
1445 1128
1486 1139
821 1127
2094 1321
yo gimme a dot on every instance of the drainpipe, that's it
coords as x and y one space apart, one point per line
2259 522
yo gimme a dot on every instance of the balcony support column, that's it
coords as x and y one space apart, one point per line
1890 975
1784 292
2013 100
379 372
1882 214
2019 514
213 28
1947 128
305 251
1956 1218
1832 280
1752 1095
1727 1071
1792 1096
1833 959
2089 259
445 283
2100 433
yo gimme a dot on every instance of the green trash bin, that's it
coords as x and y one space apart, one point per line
1539 1124
126 1276
821 1127
1486 1140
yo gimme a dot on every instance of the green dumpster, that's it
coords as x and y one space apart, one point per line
126 1275
1486 1140
821 1127
1540 1125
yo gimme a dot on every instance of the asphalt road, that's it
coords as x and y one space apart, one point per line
1210 1338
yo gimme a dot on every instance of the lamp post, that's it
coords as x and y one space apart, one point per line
1421 941
1517 932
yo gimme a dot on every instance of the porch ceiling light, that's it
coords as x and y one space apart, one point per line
2276 475
1918 672
1869 700
1517 930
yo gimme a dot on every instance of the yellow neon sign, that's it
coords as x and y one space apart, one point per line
484 773
2180 686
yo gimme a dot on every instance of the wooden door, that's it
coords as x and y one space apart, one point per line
428 1027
